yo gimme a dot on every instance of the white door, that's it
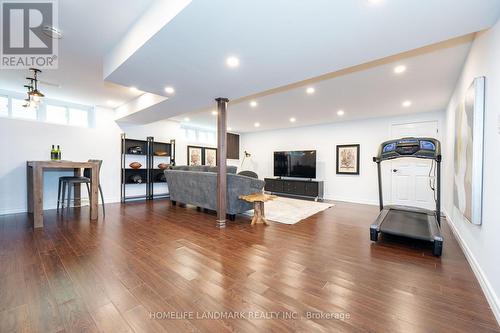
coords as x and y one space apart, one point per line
410 176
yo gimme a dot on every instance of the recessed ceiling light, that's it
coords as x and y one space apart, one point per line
232 62
254 104
134 89
310 90
406 104
169 90
256 124
186 119
400 69
340 112
292 120
214 112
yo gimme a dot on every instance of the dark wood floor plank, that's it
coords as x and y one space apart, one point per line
145 258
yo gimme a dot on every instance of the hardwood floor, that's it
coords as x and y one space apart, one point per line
147 261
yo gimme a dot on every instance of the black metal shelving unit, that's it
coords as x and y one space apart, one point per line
149 172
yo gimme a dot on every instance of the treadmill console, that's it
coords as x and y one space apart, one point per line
410 147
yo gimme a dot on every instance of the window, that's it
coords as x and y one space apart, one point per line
56 114
50 111
199 135
4 106
79 117
21 112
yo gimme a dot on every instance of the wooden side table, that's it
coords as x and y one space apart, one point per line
258 200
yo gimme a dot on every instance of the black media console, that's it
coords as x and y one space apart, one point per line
301 188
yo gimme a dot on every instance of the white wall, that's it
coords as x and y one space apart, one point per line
23 140
324 138
481 243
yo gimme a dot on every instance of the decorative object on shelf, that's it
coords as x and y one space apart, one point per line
161 153
135 150
34 95
135 165
161 177
194 155
348 159
137 179
163 166
469 134
210 157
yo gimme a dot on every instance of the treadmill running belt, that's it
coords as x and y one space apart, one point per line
409 224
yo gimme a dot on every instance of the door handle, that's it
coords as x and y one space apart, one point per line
394 170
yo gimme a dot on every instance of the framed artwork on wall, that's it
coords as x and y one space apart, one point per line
210 156
348 159
468 155
195 155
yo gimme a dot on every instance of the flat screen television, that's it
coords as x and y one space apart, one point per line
300 164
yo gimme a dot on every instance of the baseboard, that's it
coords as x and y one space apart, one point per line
52 206
488 290
363 202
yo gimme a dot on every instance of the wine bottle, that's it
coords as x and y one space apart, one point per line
58 153
53 153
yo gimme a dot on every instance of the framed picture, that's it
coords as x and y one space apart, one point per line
195 155
210 156
348 159
468 155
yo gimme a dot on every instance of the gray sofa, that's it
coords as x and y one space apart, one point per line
197 185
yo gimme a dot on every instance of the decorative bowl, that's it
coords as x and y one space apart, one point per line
163 166
135 165
160 153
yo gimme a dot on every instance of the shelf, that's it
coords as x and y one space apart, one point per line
150 173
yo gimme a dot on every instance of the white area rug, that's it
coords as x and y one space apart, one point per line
291 211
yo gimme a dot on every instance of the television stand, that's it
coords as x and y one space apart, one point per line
305 188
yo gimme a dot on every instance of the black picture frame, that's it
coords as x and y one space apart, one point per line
203 154
189 149
205 150
339 170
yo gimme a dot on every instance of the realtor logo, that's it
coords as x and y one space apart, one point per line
25 41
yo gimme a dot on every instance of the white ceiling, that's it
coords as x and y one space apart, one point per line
371 90
284 41
90 28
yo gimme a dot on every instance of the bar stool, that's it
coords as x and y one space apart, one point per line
70 181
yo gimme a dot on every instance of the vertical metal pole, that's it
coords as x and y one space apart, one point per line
221 162
380 195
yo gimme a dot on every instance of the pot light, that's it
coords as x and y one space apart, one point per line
232 62
169 90
292 120
400 69
134 89
340 113
254 104
214 112
310 90
187 119
256 124
406 104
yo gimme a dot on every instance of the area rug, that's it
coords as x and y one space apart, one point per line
291 211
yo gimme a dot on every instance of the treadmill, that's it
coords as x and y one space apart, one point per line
411 222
